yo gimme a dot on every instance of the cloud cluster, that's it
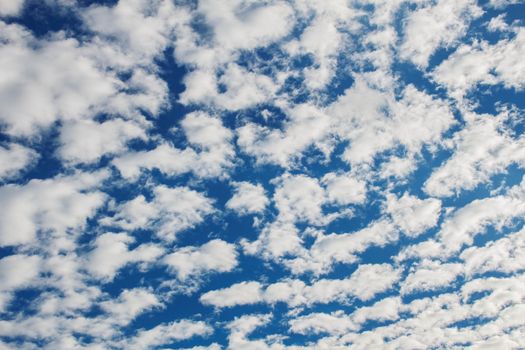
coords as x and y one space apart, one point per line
268 175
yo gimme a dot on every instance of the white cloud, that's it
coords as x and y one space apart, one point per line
243 88
233 26
205 131
213 346
111 253
315 323
367 281
474 218
430 275
11 7
434 26
307 125
58 205
412 215
371 279
238 26
131 164
247 198
323 40
242 326
344 189
212 156
61 79
167 333
138 26
502 3
383 310
397 167
374 121
129 304
14 159
191 262
28 72
481 149
339 323
299 198
502 255
237 294
343 247
18 271
483 63
432 321
256 74
275 240
498 24
86 141
461 226
171 211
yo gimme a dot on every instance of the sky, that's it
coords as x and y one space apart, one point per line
262 175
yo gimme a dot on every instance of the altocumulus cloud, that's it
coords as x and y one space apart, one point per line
302 174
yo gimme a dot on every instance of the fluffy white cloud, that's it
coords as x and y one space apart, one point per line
171 211
502 3
412 215
11 7
497 24
211 157
59 205
323 38
339 323
397 167
28 72
481 149
14 159
242 88
275 240
483 63
247 198
474 218
316 96
343 247
234 26
44 81
237 26
299 198
431 27
86 141
344 189
166 334
111 253
383 310
367 281
129 304
242 326
461 226
430 275
502 255
306 125
213 256
205 131
237 294
131 164
18 271
373 121
315 323
138 26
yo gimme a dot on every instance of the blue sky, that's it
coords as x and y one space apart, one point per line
275 175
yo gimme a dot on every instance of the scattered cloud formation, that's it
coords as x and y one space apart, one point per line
273 175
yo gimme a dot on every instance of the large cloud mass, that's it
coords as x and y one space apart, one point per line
238 174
